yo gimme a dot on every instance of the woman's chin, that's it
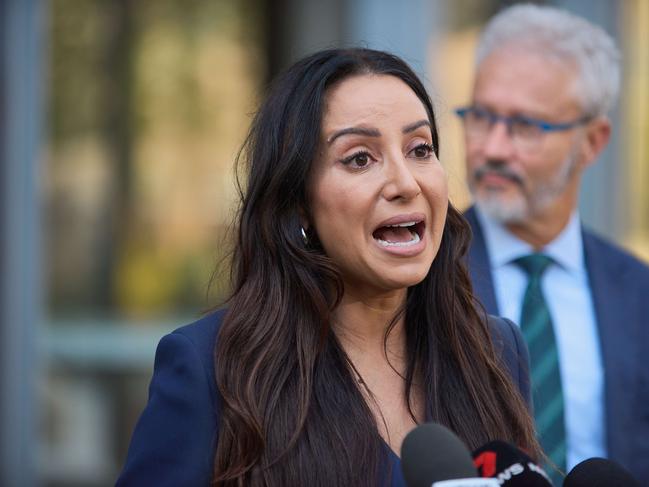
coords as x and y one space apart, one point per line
403 279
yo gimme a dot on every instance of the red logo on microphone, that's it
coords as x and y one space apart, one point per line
486 463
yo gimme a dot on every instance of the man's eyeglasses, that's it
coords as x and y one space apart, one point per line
525 132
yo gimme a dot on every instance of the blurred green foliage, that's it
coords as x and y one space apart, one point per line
148 103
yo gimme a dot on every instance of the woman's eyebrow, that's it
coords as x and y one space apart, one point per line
374 132
353 131
414 126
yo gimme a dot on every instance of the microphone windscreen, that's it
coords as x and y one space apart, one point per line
509 465
432 453
600 472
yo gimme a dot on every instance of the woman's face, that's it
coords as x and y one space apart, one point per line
378 194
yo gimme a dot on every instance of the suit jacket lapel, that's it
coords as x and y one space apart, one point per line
611 299
479 265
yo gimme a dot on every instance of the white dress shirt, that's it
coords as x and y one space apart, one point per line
567 292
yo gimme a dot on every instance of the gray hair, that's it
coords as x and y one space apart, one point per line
548 31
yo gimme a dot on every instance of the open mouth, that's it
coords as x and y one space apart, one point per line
402 234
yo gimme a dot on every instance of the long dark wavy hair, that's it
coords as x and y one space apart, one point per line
292 413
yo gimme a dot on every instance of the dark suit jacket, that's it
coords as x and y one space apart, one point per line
174 441
619 285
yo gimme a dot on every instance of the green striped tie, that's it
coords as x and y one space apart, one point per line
547 395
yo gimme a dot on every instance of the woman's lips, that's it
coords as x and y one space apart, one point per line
402 235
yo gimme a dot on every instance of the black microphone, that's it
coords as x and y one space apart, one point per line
433 456
599 472
509 466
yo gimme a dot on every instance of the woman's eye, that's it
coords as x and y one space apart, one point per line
422 151
357 160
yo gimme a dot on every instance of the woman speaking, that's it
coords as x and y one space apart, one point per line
351 317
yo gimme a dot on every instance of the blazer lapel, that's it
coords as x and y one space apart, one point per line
479 265
612 298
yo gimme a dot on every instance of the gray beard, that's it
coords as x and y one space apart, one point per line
523 207
504 213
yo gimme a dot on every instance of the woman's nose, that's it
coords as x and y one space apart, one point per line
400 182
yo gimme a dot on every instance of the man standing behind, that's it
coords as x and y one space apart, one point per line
545 81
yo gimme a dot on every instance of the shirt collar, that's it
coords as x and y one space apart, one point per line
567 249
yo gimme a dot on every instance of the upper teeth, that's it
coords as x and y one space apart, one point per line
404 224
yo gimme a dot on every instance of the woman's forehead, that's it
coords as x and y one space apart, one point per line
370 98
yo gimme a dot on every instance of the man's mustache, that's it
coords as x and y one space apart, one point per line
498 169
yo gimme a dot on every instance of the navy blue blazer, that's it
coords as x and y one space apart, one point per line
174 441
619 285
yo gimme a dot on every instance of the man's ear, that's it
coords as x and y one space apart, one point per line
598 133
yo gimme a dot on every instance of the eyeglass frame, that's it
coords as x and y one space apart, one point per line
542 125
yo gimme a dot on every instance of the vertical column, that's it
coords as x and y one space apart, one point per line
295 28
635 124
20 268
299 27
401 28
